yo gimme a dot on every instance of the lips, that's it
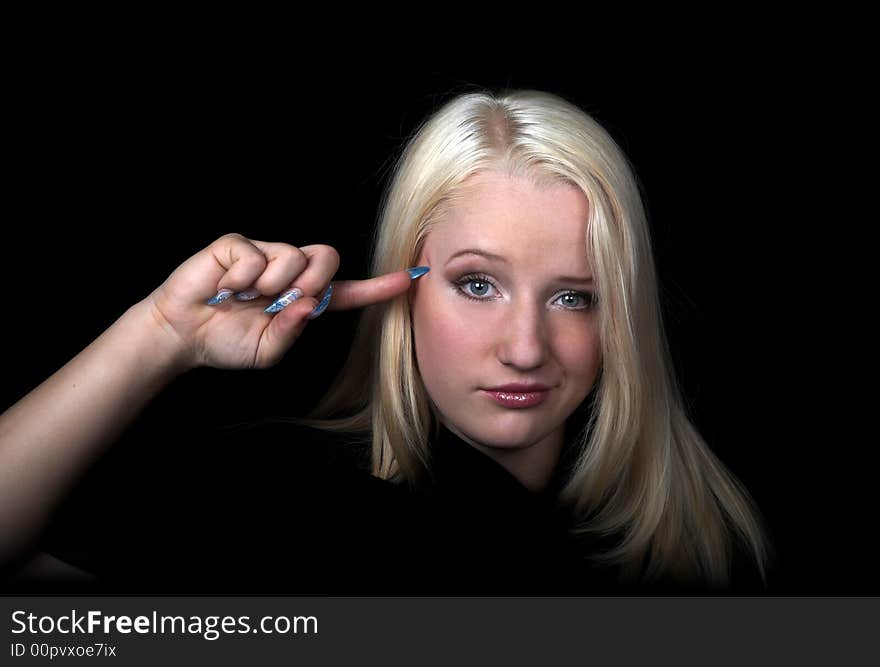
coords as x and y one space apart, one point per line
510 399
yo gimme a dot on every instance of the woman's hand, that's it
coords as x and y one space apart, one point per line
49 438
239 334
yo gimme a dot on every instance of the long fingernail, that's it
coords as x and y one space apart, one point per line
247 295
323 305
417 271
284 300
220 297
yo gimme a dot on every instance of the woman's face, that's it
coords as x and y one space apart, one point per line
523 318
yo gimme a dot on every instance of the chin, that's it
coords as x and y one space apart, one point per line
506 436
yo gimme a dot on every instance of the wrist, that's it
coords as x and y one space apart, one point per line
162 346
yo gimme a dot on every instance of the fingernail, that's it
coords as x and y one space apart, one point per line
284 300
323 305
248 294
220 297
417 271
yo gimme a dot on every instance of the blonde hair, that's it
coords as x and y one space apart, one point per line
642 470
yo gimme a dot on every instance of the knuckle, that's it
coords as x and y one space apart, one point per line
332 253
296 253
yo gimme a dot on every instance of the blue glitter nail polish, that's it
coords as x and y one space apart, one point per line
417 271
220 297
284 300
323 305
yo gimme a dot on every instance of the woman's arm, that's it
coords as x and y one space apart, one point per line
50 437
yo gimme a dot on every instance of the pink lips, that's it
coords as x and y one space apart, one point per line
515 399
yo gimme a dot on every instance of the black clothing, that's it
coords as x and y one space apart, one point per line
285 509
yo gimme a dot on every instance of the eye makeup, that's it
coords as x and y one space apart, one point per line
461 284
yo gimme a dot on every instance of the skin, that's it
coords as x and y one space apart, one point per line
523 329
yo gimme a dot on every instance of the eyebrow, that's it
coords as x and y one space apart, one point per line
498 258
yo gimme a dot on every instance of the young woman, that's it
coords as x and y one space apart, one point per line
524 379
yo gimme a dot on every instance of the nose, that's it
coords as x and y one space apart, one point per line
523 338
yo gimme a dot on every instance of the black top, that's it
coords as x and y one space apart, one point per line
285 509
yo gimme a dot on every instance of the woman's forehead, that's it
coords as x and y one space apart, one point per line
511 218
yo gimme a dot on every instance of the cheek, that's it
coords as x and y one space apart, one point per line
442 334
579 351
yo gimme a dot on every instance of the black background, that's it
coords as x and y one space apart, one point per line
122 163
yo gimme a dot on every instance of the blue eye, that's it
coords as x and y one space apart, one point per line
477 280
483 283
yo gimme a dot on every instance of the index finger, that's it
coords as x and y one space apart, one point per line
348 294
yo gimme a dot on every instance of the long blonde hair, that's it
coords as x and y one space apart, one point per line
642 470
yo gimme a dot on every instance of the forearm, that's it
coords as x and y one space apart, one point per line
50 437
